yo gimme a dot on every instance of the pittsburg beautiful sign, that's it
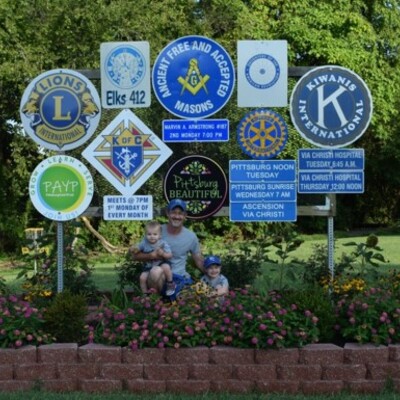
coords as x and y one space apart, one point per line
200 182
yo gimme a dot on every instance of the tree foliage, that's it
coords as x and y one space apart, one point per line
362 35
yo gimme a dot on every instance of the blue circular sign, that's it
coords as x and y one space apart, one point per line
193 77
262 134
331 106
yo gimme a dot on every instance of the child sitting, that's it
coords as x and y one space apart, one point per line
213 276
153 242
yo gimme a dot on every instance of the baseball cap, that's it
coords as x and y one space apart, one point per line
210 260
176 203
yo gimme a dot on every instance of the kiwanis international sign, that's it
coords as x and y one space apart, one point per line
331 106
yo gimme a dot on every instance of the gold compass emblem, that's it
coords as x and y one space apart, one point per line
194 81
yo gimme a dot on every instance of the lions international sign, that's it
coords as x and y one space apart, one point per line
60 109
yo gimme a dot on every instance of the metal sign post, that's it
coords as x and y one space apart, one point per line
60 256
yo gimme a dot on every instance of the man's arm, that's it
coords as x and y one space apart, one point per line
199 262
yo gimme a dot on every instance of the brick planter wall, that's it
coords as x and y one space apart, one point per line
314 369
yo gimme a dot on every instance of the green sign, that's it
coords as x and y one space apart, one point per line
61 188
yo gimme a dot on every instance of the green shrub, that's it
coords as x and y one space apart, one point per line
21 323
128 272
242 267
65 317
41 283
372 316
319 302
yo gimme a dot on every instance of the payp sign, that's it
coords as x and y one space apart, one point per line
61 188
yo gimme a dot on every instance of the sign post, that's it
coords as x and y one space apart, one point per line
60 110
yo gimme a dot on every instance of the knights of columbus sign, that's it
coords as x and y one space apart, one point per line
127 153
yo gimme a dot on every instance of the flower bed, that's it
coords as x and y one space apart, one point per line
242 343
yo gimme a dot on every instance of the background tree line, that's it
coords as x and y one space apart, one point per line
362 35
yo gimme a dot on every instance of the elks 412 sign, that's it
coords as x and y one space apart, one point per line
331 106
125 74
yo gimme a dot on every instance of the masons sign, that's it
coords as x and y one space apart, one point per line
331 106
193 77
60 109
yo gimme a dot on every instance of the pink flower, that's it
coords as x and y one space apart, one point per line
134 345
18 343
270 342
262 327
254 340
269 315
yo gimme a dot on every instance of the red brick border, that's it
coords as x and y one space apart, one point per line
313 369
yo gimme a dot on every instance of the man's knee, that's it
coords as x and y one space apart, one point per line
156 278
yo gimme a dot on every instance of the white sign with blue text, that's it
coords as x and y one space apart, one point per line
262 190
262 73
125 74
127 208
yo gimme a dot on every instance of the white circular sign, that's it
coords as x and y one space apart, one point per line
61 188
60 109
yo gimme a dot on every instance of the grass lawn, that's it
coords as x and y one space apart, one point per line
106 277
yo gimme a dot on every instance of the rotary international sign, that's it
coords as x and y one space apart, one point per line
262 134
60 109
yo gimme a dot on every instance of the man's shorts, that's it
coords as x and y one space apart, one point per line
180 281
